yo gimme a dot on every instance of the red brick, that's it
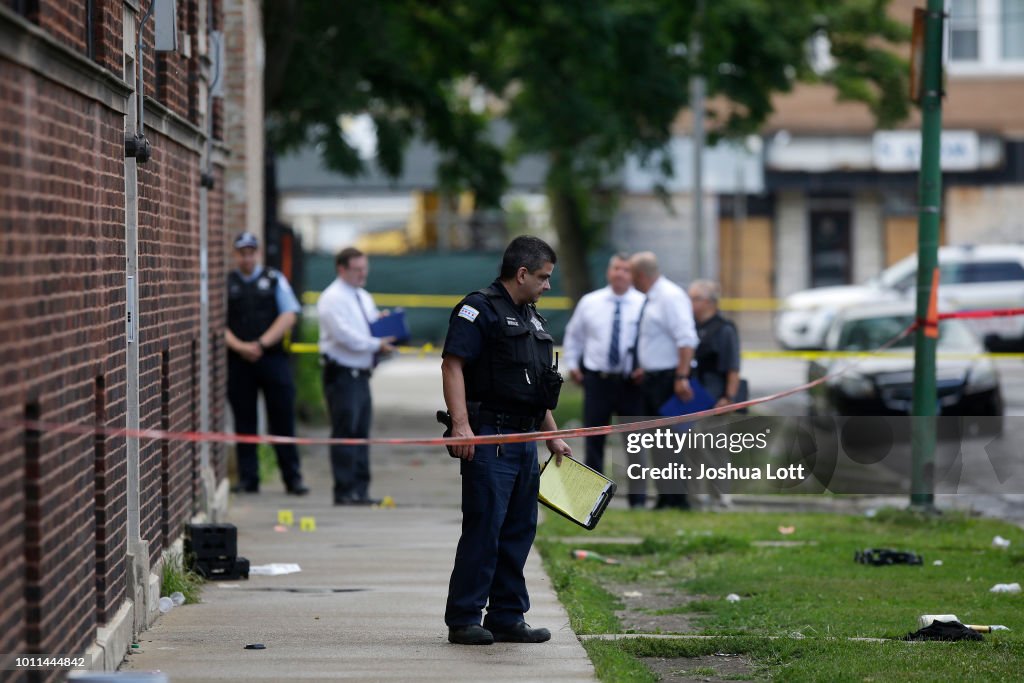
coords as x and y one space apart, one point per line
63 511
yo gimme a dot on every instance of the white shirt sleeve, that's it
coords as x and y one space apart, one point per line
575 336
372 313
337 320
679 312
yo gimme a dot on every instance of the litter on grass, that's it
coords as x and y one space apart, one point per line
1000 542
592 556
1005 588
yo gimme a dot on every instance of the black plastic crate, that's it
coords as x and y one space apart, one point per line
211 541
223 570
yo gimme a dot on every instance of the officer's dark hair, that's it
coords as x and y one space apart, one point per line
526 250
346 255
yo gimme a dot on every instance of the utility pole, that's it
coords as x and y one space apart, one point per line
928 92
697 107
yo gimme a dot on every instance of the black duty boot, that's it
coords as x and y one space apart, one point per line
469 635
522 633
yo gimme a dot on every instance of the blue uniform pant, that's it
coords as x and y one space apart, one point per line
351 408
499 522
271 375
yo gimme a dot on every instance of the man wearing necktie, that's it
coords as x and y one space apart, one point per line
666 339
349 352
597 344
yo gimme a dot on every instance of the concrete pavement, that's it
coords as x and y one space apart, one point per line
369 602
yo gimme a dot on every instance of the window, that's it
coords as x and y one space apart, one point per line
1012 39
963 30
952 274
830 248
995 271
869 333
985 37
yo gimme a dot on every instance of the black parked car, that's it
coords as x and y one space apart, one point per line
882 384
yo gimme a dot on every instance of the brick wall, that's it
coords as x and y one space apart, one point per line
12 398
176 86
243 112
168 327
63 497
220 258
65 20
63 336
107 46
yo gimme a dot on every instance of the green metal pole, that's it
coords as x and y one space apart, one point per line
925 400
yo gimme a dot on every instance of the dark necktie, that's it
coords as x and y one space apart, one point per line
613 348
636 339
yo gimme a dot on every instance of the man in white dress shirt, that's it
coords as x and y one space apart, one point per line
666 340
597 344
349 352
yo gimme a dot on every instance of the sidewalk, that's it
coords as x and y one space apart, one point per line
369 602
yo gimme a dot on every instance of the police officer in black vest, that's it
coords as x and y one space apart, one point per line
261 309
499 377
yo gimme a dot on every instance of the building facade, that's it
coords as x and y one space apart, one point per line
842 195
107 321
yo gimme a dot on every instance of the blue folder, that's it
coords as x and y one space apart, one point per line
701 400
393 325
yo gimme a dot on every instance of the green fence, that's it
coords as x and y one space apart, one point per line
447 274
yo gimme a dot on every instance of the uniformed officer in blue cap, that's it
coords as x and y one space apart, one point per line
261 310
500 377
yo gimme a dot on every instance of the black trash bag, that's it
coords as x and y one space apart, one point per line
881 557
944 630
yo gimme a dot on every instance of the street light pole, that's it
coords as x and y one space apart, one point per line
925 402
697 106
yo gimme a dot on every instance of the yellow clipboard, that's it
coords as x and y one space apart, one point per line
575 491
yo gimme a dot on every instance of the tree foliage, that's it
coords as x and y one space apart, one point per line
582 82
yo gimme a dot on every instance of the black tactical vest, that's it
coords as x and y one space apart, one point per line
252 306
515 372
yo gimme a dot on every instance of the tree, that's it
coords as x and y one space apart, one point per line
398 61
584 82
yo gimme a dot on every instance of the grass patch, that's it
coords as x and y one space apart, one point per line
815 591
310 406
591 607
267 459
613 663
176 577
842 660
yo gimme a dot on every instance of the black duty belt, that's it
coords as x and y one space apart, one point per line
519 423
335 367
605 375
